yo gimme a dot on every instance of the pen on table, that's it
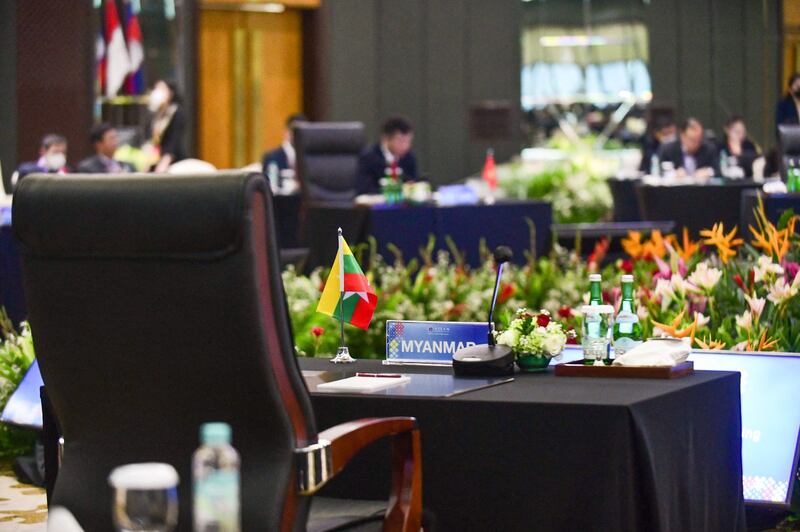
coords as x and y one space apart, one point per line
386 375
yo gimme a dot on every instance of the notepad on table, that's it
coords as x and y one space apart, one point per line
363 384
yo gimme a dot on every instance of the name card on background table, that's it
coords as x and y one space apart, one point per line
431 342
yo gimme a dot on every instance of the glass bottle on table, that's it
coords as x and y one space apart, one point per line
215 472
593 331
627 329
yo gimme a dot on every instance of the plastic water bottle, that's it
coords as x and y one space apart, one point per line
274 175
723 163
215 472
655 165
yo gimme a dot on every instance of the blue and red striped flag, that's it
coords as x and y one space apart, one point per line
117 61
134 83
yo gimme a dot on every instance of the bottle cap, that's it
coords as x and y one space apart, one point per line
627 278
215 433
145 476
595 277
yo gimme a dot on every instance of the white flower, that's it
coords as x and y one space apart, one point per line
741 346
745 321
554 343
780 291
665 292
765 268
508 337
756 305
702 321
705 277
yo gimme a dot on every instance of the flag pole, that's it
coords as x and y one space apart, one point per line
343 354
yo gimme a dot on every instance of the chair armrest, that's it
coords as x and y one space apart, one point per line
404 511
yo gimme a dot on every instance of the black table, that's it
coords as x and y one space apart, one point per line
11 294
408 228
695 206
286 210
558 453
774 207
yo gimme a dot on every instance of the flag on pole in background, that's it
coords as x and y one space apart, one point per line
100 62
489 170
347 289
134 83
117 61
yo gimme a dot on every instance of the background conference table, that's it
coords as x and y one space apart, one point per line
560 453
408 228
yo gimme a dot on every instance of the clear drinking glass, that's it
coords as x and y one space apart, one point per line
596 329
145 497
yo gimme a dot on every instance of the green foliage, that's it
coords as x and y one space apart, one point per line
16 355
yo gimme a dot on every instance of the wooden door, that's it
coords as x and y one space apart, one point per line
250 80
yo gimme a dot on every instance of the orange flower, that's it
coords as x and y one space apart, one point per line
764 343
686 248
725 243
710 344
770 239
672 329
654 247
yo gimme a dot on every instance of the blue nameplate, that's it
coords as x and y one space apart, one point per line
431 341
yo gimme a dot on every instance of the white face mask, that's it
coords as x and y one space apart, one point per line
156 100
55 161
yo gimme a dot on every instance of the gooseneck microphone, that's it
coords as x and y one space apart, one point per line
502 254
487 359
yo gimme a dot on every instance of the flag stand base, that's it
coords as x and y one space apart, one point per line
343 356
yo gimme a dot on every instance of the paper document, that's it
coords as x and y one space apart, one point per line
363 384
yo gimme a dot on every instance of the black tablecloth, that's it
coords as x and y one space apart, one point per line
694 206
558 453
774 207
408 228
286 209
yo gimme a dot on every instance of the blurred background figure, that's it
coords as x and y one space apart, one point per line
391 156
691 155
662 131
786 112
52 157
104 141
284 156
166 131
737 150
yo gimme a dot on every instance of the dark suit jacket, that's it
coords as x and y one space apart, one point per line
372 168
706 156
786 112
650 147
32 167
96 165
277 156
746 158
173 140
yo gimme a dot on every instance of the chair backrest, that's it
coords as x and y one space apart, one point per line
157 305
327 159
789 136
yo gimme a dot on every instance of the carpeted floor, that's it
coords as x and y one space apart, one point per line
23 508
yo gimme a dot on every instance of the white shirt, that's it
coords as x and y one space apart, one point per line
291 154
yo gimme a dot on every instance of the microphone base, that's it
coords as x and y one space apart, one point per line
484 361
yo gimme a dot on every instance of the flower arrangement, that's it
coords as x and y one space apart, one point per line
534 334
723 290
16 356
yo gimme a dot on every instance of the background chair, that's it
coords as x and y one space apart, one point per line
327 159
157 305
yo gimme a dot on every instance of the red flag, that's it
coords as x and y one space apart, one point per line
134 84
118 63
489 171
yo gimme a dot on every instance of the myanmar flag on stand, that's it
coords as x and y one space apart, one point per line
347 289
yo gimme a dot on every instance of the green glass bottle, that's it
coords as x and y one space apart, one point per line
627 329
593 324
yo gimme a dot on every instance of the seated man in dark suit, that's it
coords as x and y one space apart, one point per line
283 157
391 157
662 131
786 111
52 157
104 139
691 154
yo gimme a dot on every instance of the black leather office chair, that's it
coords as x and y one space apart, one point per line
327 159
157 305
789 136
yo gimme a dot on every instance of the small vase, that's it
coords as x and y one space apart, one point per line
529 363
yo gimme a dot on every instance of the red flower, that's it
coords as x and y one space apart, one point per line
542 320
565 312
317 331
752 278
738 279
626 266
506 292
572 339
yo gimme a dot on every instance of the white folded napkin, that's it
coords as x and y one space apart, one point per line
667 352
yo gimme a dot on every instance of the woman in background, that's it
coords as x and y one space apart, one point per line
167 128
737 148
